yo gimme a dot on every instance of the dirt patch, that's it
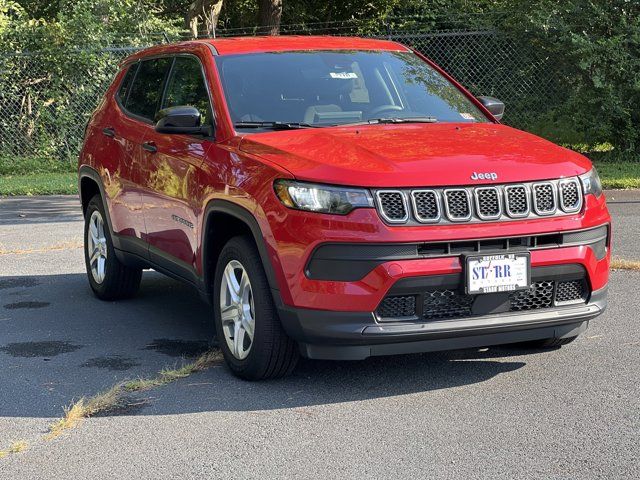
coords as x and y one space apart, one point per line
27 305
25 282
178 348
39 349
114 363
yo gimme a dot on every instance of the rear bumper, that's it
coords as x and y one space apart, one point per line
357 335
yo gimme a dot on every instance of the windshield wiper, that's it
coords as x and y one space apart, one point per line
275 125
376 121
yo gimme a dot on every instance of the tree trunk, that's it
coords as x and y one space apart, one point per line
205 11
269 15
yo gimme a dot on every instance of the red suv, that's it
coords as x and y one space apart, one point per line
337 198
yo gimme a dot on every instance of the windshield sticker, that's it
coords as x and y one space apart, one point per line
467 116
343 75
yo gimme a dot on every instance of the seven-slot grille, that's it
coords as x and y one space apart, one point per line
481 203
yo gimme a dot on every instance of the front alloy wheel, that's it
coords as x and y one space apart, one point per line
237 309
249 332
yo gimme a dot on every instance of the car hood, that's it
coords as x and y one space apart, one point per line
411 155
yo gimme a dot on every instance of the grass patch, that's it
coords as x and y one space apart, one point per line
622 264
619 175
37 176
39 184
16 447
33 165
110 399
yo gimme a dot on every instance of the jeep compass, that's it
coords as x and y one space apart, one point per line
337 198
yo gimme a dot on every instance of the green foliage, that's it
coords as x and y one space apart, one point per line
584 55
53 72
593 48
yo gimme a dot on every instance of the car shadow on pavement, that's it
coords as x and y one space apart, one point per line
59 343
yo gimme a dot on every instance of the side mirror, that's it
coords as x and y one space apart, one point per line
495 106
183 119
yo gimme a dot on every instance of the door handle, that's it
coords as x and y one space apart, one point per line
109 132
150 147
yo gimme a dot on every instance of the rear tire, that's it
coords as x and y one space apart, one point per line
252 340
548 343
109 278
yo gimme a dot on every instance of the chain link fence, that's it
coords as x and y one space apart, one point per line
45 103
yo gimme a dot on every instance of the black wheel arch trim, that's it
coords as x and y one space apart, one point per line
85 171
245 216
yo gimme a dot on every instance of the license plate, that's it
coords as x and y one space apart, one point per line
498 273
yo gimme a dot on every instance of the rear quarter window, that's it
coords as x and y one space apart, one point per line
125 86
145 93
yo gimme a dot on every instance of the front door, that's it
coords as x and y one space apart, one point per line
172 197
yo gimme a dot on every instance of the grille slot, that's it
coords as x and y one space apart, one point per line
517 201
426 205
570 195
572 291
488 205
393 206
544 198
395 307
457 204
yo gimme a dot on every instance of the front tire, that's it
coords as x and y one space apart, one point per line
250 335
109 278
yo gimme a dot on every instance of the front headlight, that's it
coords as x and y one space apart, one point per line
314 197
591 183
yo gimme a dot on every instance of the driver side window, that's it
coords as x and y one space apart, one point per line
186 86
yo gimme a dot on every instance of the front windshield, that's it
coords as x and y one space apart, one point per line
322 88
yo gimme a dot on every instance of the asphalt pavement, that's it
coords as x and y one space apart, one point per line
481 413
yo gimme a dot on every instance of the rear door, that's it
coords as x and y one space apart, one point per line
117 156
138 99
171 201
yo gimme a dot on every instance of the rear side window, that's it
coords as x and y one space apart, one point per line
186 87
146 91
123 91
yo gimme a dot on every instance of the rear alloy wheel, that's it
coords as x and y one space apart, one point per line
97 247
109 278
253 342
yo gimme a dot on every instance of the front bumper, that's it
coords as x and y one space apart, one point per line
358 335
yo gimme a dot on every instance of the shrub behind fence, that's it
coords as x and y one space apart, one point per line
46 101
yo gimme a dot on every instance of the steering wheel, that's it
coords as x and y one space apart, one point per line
385 108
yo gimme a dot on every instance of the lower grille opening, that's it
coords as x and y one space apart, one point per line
449 303
573 291
392 307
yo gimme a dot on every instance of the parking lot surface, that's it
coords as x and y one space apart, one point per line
482 413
